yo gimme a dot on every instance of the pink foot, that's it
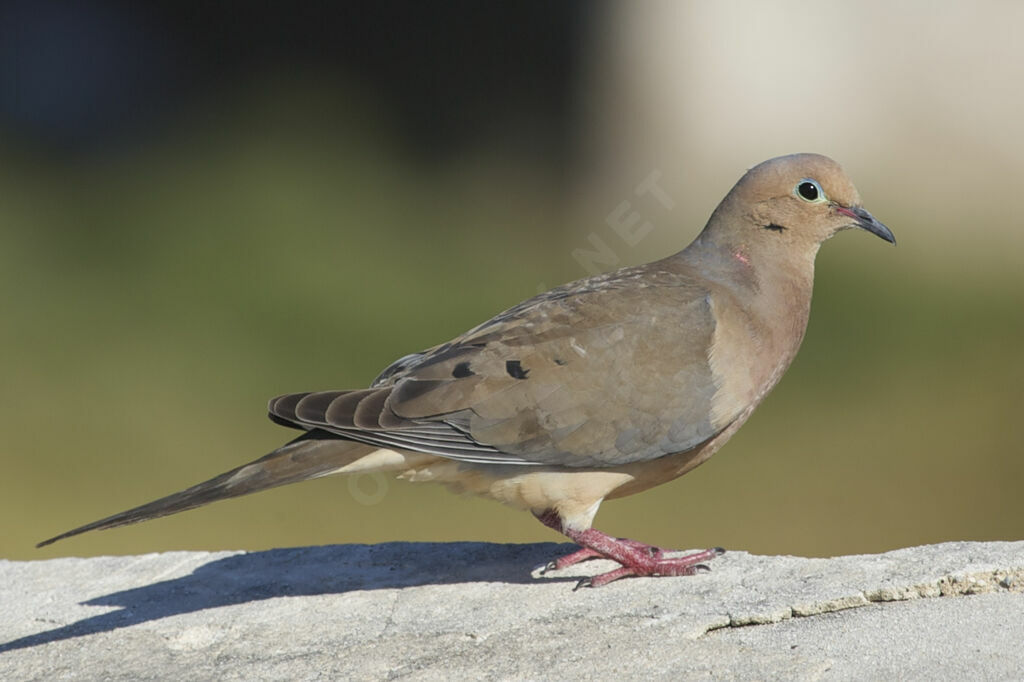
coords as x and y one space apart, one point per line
586 553
636 558
648 565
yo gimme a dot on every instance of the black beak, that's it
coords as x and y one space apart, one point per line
866 221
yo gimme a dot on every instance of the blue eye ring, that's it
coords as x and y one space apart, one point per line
810 191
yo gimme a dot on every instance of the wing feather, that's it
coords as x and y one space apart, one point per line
595 374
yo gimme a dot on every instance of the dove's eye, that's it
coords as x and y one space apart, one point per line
809 190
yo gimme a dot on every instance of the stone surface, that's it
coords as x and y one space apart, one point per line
472 610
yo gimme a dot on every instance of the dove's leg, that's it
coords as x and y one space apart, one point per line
636 558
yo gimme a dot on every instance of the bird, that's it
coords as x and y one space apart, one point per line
595 390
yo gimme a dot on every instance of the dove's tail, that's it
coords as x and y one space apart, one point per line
311 455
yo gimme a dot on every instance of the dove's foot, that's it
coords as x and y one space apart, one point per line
635 558
586 553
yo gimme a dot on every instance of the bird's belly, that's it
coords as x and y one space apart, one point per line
574 494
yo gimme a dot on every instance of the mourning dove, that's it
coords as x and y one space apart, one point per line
594 390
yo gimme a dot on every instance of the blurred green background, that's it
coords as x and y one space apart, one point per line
201 208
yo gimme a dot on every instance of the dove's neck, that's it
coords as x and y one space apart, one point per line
772 286
764 269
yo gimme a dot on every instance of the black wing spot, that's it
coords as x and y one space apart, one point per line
774 227
515 369
462 370
560 362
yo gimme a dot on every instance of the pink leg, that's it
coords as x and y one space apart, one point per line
636 558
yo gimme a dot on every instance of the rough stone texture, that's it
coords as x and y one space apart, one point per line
471 610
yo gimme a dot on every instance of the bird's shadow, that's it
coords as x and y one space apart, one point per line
304 571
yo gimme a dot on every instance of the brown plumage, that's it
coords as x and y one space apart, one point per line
597 389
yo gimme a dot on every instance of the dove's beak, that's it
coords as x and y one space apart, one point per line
866 221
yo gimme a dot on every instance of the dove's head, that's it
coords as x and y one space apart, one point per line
792 204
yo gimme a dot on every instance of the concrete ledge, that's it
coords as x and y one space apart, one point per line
473 610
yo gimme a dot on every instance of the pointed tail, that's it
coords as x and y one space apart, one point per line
311 455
